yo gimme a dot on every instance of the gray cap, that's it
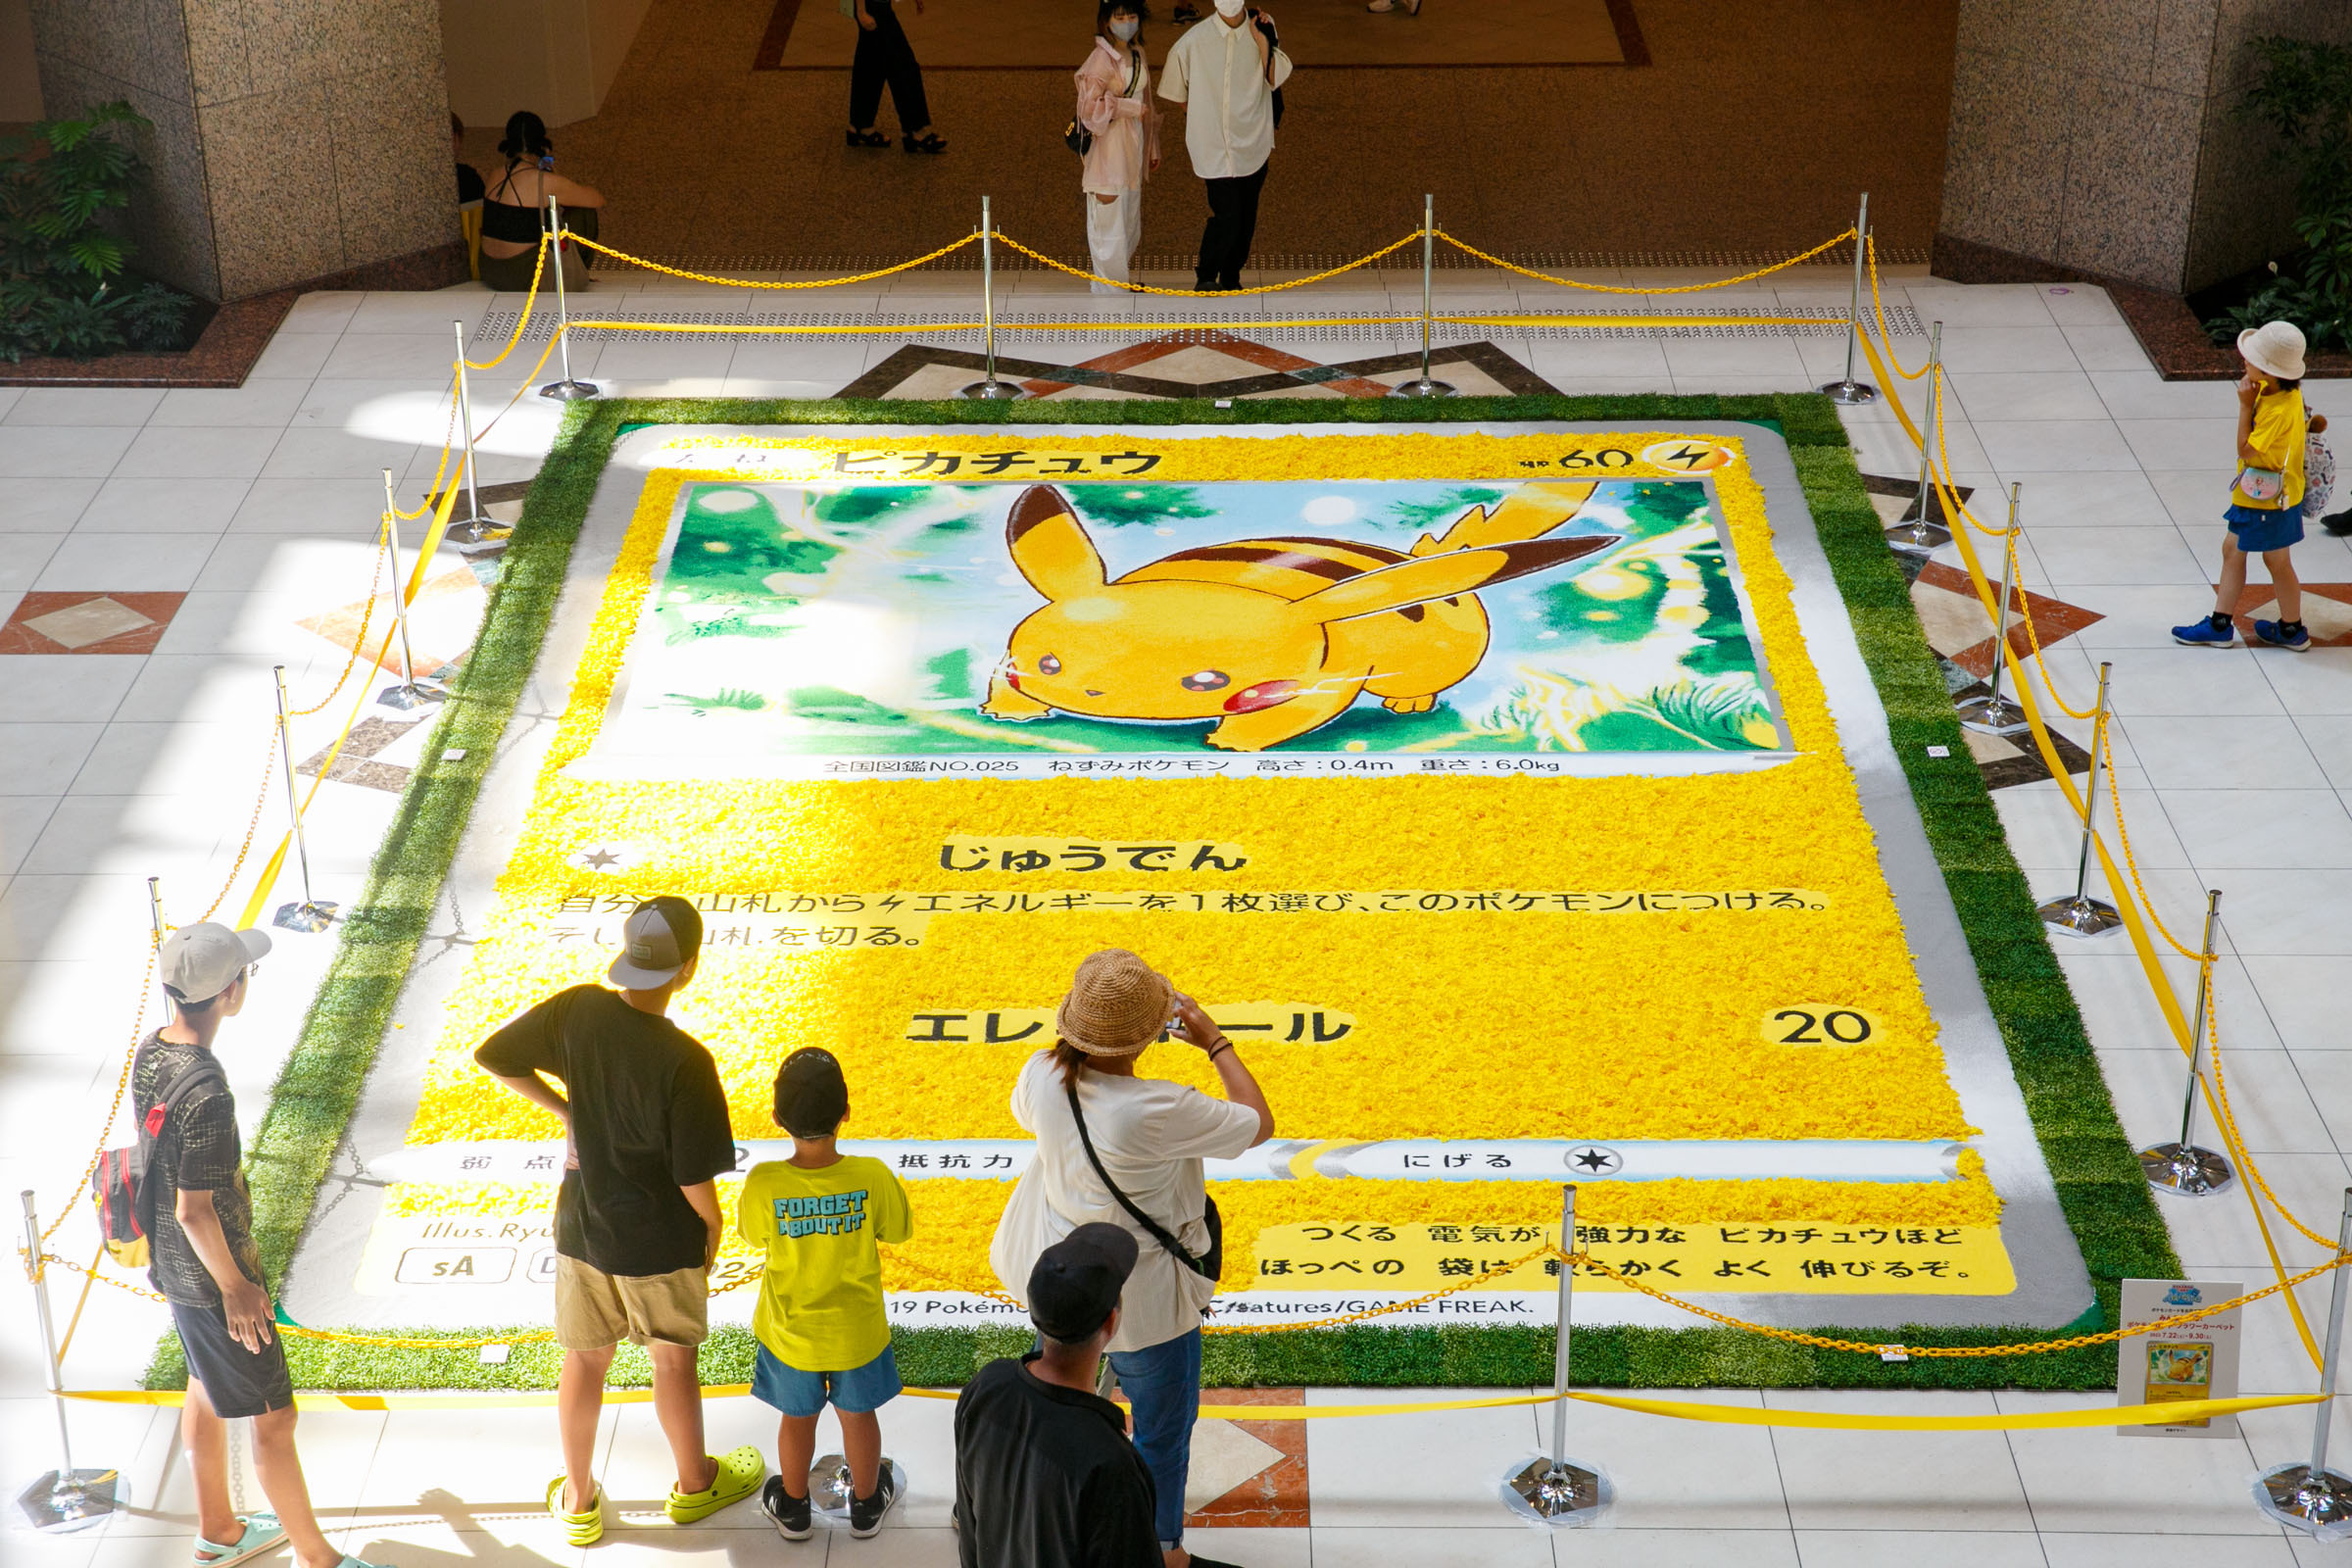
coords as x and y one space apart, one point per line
200 961
660 936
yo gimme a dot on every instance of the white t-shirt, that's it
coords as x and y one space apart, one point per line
1152 1136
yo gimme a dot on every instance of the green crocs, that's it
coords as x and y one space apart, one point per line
739 1476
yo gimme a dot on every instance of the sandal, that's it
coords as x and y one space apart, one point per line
868 137
262 1531
737 1476
933 143
583 1529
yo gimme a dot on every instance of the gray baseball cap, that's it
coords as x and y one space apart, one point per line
200 961
660 936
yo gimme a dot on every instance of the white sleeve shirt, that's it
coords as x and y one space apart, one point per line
1219 73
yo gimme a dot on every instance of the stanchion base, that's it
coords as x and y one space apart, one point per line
1992 715
2083 917
1563 1493
1918 538
2319 1504
305 916
2190 1172
474 536
995 391
1851 393
1422 388
570 391
58 1503
829 1484
411 694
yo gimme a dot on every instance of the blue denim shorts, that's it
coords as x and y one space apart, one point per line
796 1393
2260 528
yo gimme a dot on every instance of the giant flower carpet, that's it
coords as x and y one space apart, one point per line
1491 790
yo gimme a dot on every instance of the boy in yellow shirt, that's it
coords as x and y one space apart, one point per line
823 1336
2265 516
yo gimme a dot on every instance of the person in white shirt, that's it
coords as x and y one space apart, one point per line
1113 1148
1225 72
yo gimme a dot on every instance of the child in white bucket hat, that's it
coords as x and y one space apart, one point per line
2265 515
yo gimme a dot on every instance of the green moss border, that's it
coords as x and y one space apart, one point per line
2100 1190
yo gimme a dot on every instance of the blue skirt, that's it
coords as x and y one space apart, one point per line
2260 528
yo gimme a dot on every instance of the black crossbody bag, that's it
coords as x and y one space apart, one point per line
1209 1266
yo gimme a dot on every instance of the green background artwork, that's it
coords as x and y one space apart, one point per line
801 622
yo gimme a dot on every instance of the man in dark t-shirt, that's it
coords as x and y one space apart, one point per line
1045 1475
637 1221
199 1222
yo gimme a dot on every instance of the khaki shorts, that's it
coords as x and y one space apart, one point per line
596 1310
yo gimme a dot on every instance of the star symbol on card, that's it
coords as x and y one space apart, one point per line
1595 1160
604 857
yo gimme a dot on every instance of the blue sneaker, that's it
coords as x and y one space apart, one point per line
2269 634
2211 632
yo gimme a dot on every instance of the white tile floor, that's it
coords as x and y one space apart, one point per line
260 500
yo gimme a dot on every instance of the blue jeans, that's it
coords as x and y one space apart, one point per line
1163 1383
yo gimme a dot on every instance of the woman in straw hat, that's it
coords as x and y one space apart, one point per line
1127 1151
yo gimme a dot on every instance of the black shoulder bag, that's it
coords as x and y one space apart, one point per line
1209 1266
1076 136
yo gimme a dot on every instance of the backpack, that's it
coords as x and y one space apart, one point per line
119 1187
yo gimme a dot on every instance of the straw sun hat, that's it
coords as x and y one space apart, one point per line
2275 347
1118 1005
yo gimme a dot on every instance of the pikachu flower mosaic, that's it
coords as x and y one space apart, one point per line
1326 727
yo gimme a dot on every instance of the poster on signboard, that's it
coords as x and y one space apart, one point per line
2178 1363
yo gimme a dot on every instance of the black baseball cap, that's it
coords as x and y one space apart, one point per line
811 1096
660 936
1076 1283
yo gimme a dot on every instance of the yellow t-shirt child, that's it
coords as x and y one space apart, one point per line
820 1302
2278 437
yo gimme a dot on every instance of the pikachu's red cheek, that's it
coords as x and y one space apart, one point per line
1012 680
1265 694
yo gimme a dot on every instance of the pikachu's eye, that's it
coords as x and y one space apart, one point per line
1206 680
1049 665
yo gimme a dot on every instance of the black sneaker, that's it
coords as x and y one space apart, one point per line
2338 523
866 1513
790 1513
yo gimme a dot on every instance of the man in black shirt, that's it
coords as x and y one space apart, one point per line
1045 1476
637 1221
201 1256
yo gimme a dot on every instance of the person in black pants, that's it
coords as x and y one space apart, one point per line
1228 73
884 56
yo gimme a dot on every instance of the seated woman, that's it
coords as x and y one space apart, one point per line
515 210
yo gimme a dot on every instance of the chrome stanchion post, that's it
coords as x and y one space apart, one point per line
1847 390
2082 915
310 915
410 691
1555 1490
1918 536
1992 714
477 529
568 390
1426 387
64 1499
2310 1496
989 388
2183 1167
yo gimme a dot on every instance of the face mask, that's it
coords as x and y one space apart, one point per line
1124 28
1230 9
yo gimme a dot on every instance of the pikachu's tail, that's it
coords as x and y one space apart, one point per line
1528 513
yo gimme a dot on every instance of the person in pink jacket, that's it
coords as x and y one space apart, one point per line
1114 105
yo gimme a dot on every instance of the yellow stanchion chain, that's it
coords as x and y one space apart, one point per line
2025 604
1870 248
538 266
2122 833
1203 293
1961 1352
2228 1118
746 282
449 441
1466 248
138 1029
252 825
521 388
367 614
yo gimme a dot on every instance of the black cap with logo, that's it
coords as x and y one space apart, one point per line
1076 1282
660 936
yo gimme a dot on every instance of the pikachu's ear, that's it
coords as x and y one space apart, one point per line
1457 571
1050 545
